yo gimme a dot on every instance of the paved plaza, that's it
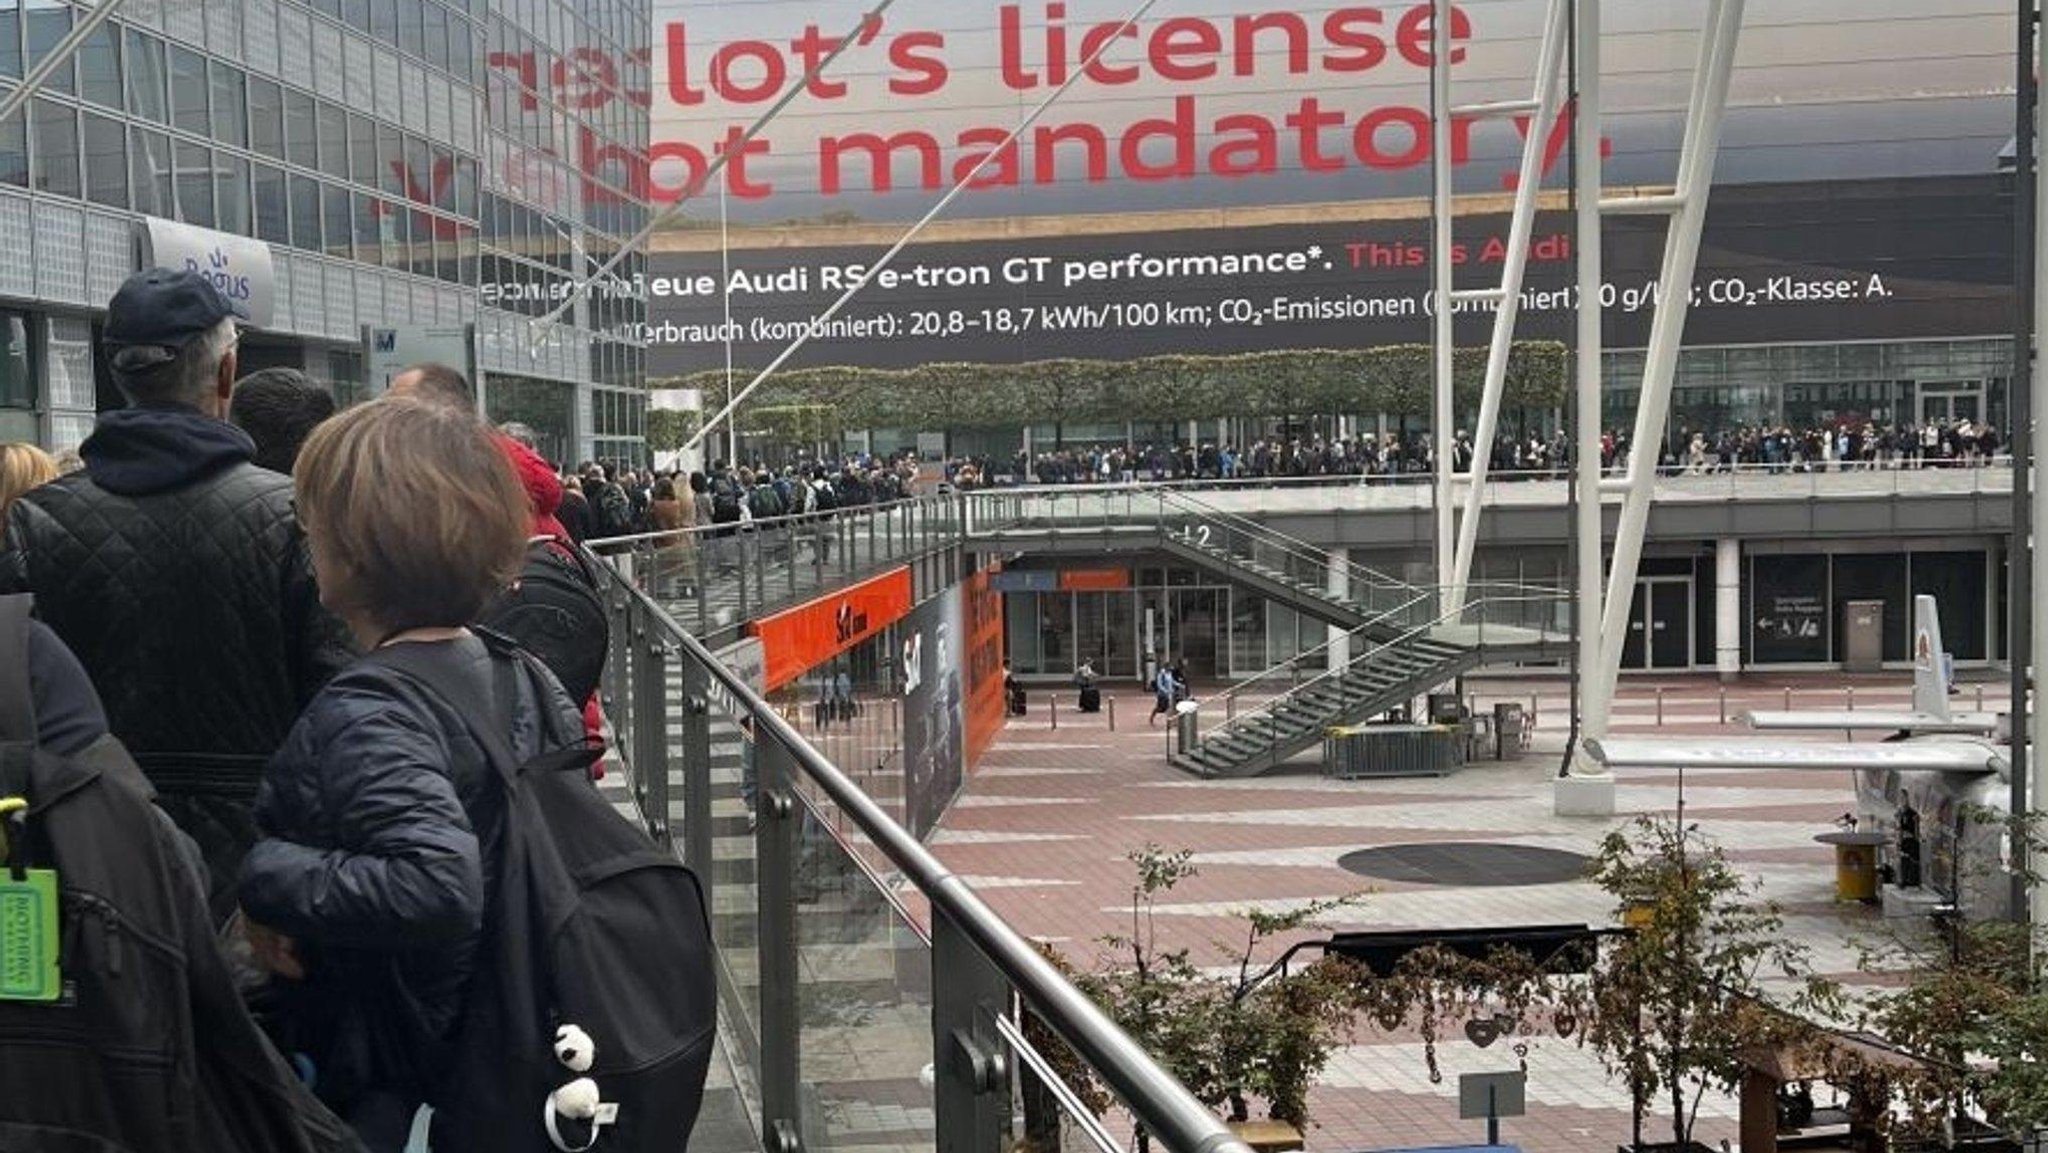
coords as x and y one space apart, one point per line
1044 825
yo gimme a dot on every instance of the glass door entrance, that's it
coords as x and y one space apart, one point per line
1659 625
1947 404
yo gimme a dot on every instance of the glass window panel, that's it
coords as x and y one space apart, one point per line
411 26
14 151
188 91
10 37
305 204
356 14
272 213
99 66
145 75
231 194
391 170
54 160
301 141
363 219
106 161
149 172
419 170
362 145
328 7
230 105
384 20
338 239
266 117
333 124
195 184
49 21
435 19
459 49
394 233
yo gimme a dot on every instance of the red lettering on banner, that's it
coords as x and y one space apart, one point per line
915 55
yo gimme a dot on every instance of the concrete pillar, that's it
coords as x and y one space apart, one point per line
1340 586
1728 609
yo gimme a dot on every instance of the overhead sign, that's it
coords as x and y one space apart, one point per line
239 267
390 351
1251 102
1873 260
798 640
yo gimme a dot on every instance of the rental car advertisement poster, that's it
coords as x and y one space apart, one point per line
1241 175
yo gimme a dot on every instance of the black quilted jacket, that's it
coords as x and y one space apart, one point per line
175 570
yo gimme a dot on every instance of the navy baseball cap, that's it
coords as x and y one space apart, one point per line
161 310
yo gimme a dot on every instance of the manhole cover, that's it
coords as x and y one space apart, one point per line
1477 864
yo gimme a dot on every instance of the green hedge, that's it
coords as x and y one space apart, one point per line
1393 379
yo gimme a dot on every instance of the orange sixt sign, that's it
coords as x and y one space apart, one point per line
798 640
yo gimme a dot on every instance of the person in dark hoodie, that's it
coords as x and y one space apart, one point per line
174 568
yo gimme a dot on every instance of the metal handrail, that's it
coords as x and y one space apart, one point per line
1153 1096
1287 544
1246 685
1419 632
769 524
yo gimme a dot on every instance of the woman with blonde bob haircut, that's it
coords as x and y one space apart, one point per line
382 816
23 467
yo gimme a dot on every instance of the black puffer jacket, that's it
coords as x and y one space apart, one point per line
382 823
175 570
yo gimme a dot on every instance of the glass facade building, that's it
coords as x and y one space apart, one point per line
407 162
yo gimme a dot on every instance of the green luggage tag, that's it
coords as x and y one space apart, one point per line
28 921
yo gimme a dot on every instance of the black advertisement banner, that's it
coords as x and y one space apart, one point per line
934 718
1868 260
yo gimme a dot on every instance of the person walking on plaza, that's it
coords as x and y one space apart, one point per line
173 567
1164 694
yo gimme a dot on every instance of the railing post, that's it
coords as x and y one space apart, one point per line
650 729
776 841
697 798
971 1067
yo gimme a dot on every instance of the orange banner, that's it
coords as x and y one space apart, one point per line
1094 580
797 640
985 706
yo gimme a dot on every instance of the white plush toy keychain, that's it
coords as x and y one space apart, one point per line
578 1100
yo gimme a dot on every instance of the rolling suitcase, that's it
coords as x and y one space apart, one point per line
1091 699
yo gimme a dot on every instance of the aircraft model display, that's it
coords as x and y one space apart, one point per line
1936 783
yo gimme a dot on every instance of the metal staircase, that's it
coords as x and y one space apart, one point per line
1269 718
1386 676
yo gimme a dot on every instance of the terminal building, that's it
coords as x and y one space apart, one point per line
450 173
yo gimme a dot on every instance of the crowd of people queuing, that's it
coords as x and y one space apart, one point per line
1398 455
285 847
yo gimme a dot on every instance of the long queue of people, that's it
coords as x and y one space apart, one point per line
1397 456
295 838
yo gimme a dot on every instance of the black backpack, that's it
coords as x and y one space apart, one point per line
145 1045
614 510
725 501
555 613
591 924
763 504
823 497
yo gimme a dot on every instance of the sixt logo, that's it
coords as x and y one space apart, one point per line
849 624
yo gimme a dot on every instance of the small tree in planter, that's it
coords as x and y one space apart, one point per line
1672 1005
1255 1035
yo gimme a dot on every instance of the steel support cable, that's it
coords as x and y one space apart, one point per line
872 19
961 185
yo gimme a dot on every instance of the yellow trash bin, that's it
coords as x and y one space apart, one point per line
1855 863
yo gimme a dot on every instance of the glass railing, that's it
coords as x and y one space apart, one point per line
712 578
869 998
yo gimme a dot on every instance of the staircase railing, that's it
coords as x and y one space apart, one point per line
1363 583
941 987
1530 618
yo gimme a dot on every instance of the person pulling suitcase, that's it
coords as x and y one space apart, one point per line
1084 680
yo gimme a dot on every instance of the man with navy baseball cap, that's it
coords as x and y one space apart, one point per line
174 568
